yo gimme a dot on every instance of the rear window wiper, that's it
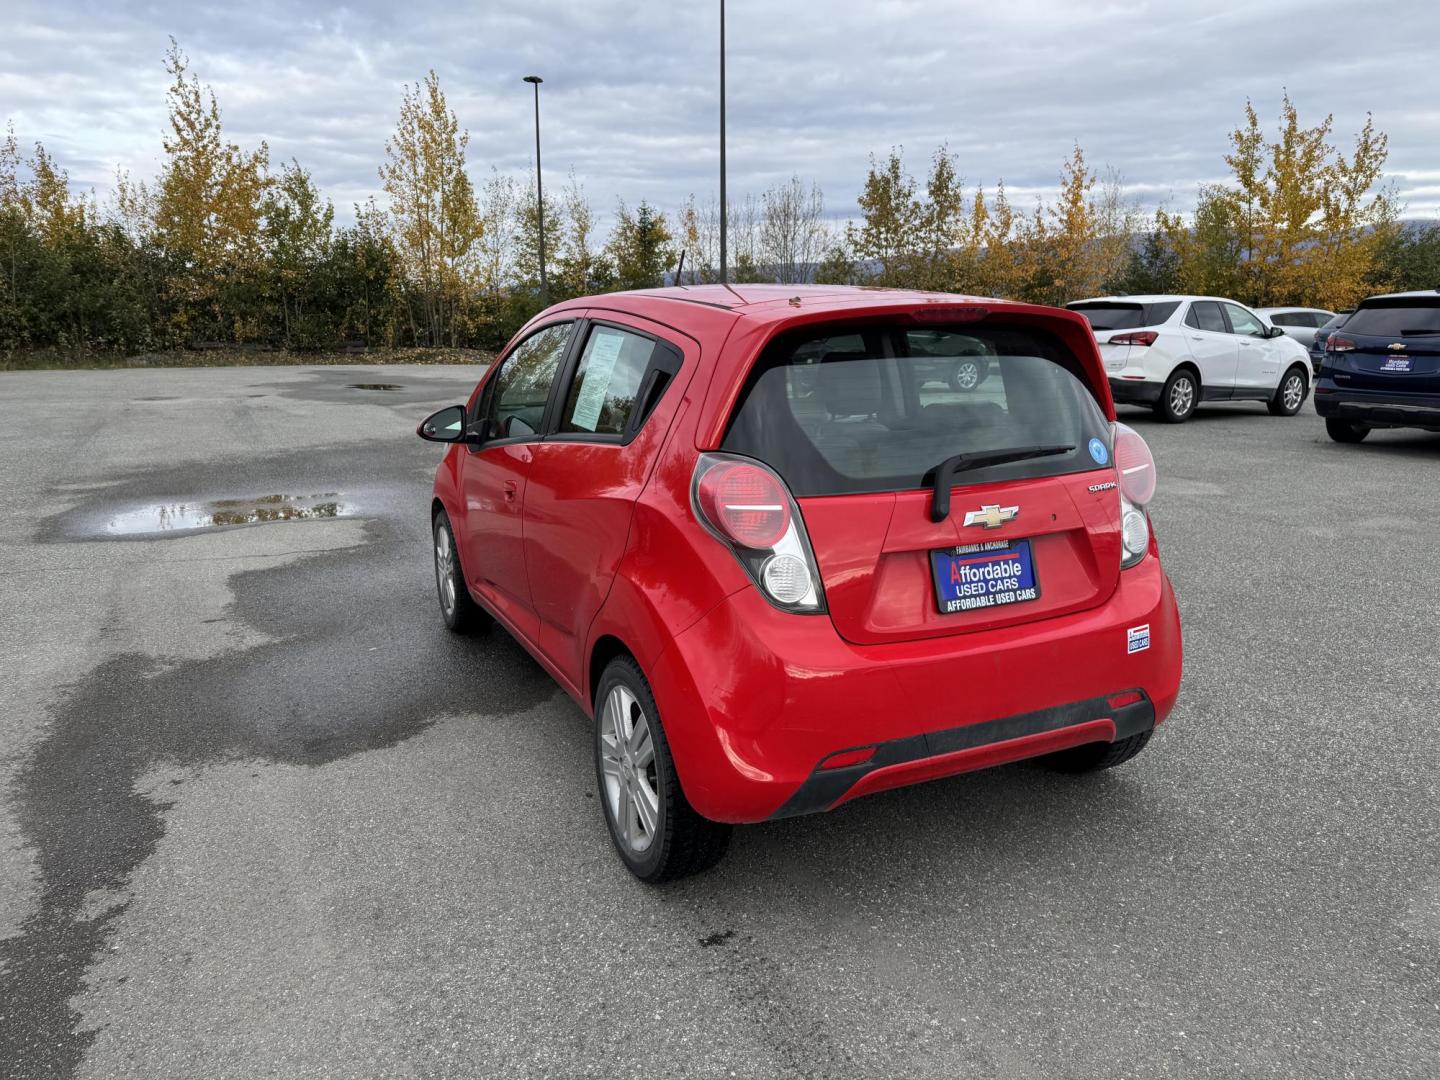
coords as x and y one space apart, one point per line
944 473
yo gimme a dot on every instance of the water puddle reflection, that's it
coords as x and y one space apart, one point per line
177 516
374 386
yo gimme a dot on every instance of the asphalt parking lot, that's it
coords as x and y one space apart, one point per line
262 816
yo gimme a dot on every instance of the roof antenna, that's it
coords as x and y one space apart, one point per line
680 269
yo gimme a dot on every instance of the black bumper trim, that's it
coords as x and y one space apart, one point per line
1377 408
1135 392
824 787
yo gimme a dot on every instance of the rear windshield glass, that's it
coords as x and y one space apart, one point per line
1335 320
1112 316
1409 317
876 408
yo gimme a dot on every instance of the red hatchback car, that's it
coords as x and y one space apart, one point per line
784 557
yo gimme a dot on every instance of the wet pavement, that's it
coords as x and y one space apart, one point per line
261 815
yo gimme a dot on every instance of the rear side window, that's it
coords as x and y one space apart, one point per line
1205 315
602 396
1291 318
1335 320
875 409
1417 316
1114 316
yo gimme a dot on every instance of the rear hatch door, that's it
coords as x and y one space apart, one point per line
1396 346
853 423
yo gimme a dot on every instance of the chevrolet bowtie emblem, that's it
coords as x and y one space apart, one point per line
992 517
1398 345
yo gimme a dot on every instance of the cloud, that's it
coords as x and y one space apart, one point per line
629 100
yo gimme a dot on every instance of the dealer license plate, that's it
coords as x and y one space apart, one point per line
986 575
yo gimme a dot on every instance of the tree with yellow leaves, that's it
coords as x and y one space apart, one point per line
435 219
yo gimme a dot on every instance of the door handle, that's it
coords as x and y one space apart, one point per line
1196 337
511 487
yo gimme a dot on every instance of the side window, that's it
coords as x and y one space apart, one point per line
515 401
1242 322
608 379
1317 319
1205 315
1286 318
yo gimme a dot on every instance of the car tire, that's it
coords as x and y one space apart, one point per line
1346 431
1179 397
966 375
457 607
656 832
1093 757
1290 394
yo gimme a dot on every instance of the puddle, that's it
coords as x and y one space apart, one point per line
375 386
177 516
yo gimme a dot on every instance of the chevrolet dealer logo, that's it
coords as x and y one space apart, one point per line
992 517
1398 345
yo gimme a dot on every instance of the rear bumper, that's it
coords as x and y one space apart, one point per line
1377 408
755 700
1135 391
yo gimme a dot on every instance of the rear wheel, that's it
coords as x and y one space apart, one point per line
656 831
1179 397
1290 394
1346 431
966 375
1092 757
459 610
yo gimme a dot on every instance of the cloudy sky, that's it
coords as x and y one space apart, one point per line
1150 87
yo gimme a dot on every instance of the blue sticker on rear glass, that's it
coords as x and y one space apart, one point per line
1098 452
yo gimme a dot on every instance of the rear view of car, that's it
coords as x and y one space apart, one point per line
815 556
1382 368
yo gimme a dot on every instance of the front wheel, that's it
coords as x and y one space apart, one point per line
1289 395
656 831
1346 431
459 610
1179 397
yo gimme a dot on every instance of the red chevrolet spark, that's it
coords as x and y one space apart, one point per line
791 546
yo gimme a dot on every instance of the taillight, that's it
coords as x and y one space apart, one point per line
1339 344
1135 464
1139 337
748 508
1136 467
747 503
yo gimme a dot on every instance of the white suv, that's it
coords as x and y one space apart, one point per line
1172 352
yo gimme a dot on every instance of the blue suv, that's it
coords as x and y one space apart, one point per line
1382 367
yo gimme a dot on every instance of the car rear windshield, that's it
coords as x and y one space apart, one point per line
1112 316
840 411
1335 320
1410 316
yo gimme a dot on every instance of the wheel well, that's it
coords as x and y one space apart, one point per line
1304 370
435 507
607 648
1186 365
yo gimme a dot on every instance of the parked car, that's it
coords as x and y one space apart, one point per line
1299 323
1172 352
781 569
1381 369
1322 335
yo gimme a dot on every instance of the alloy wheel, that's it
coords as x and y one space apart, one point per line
1294 391
967 376
628 770
445 569
1182 397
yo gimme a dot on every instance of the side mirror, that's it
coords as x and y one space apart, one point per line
447 425
1275 331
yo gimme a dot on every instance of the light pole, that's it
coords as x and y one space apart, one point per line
535 80
724 206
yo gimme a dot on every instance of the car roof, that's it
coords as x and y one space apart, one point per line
1429 294
1288 310
769 303
1154 298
